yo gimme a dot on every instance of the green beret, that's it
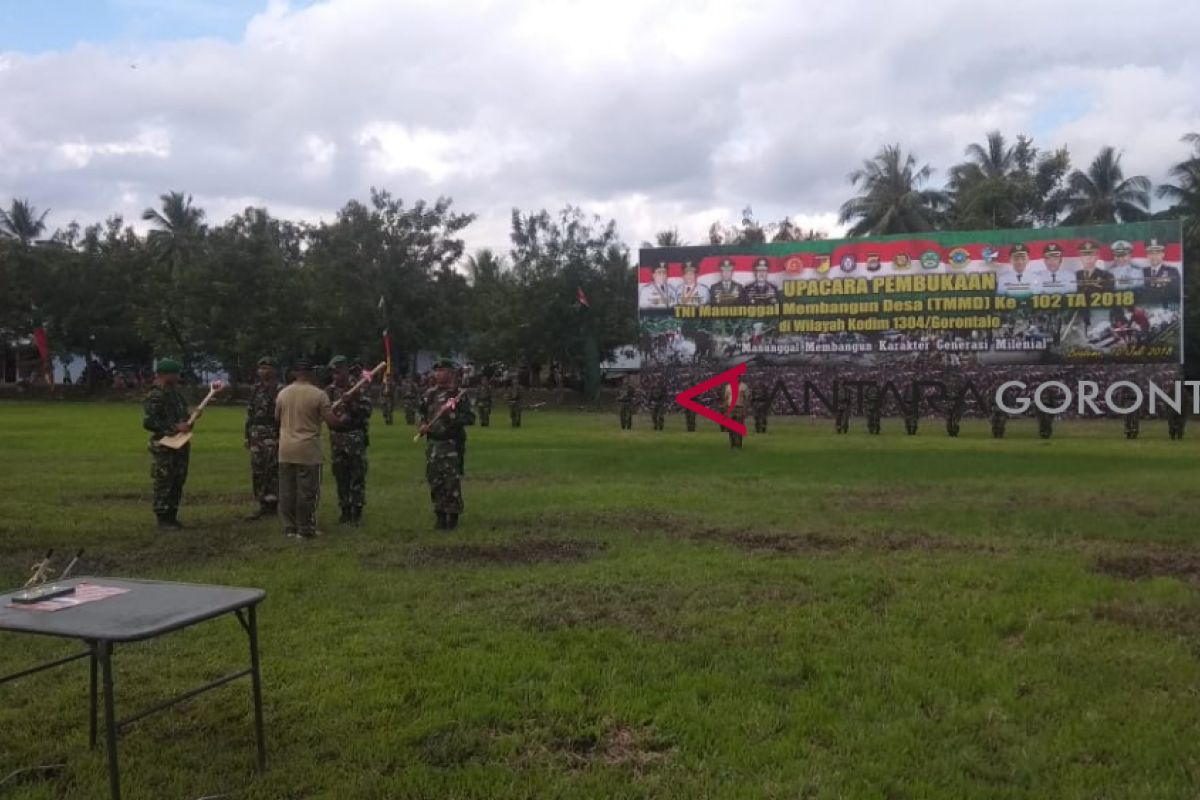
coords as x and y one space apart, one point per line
445 363
266 361
337 361
168 366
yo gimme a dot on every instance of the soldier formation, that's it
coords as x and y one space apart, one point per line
282 434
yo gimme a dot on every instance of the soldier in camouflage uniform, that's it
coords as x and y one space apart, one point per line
1132 419
625 403
954 408
444 411
348 444
760 403
737 411
512 396
262 440
412 398
658 403
1045 419
387 398
874 401
165 413
485 402
1177 419
689 419
999 419
845 406
912 414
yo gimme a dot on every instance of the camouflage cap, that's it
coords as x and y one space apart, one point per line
1088 248
445 363
337 361
168 366
1052 249
266 361
1121 248
1155 246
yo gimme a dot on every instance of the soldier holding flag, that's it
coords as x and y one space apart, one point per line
445 411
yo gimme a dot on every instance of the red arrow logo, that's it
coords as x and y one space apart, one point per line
729 376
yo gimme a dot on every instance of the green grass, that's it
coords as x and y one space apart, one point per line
632 614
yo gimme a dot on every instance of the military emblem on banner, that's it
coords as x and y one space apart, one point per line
990 254
847 263
873 262
959 257
793 265
822 263
930 259
901 261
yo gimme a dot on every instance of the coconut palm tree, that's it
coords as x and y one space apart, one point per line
987 187
178 227
1184 193
22 222
1104 194
892 198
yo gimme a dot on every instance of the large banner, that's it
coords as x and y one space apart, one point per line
1097 294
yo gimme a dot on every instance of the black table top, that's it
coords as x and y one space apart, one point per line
148 609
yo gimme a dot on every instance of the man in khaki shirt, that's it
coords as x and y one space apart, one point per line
300 408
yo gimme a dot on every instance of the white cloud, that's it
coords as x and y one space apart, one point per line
662 114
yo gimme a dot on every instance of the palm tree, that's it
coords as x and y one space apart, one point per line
179 226
986 187
1104 194
892 200
1184 193
22 222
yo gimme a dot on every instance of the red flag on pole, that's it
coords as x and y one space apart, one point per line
581 297
43 346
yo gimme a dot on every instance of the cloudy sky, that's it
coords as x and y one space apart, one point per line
658 114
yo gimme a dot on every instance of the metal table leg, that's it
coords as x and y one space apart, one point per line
110 720
92 698
256 680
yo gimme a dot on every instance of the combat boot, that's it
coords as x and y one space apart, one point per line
346 516
451 521
356 516
167 521
264 511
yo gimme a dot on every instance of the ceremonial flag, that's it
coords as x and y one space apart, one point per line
43 346
581 297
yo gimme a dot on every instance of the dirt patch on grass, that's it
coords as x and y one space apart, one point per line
618 746
623 520
520 551
817 542
544 742
1172 620
1183 565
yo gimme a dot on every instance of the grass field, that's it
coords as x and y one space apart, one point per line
632 614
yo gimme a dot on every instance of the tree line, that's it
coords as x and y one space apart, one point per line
219 296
